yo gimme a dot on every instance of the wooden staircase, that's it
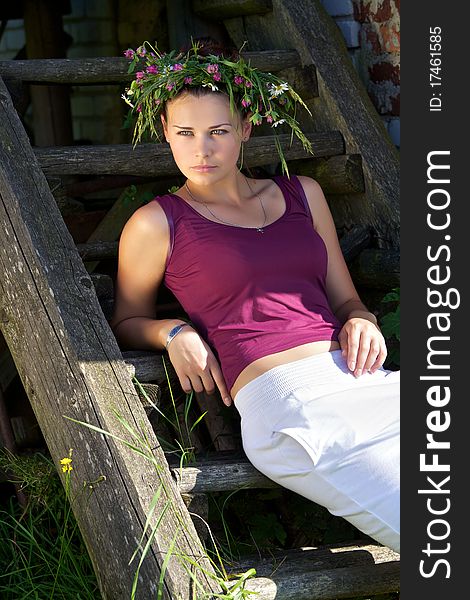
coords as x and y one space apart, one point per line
55 309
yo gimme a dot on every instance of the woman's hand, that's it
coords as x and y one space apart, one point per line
363 345
196 365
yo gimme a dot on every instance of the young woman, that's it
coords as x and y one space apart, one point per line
277 325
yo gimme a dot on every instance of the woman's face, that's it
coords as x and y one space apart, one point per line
202 131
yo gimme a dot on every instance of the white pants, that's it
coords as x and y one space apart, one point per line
314 428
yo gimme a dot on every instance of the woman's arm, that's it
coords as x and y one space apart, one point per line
143 249
361 339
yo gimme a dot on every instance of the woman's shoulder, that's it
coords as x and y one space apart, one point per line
315 198
150 219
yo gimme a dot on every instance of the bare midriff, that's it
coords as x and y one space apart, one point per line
261 365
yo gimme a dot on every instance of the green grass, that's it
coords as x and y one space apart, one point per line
42 554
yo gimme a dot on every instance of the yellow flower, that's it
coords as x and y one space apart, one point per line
67 463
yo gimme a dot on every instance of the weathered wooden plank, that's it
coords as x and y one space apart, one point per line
303 80
147 365
226 9
70 366
336 174
343 105
113 69
157 159
330 556
219 475
326 573
329 584
98 250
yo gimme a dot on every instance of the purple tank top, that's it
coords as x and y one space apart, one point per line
250 294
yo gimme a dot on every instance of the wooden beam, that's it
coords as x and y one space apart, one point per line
336 174
157 159
70 366
113 69
290 583
220 475
327 573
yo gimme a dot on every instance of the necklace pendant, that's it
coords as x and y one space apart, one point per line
260 229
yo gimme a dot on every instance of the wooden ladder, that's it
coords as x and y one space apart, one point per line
54 311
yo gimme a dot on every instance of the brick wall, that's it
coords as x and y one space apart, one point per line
371 30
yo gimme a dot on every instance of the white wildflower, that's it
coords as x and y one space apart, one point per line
276 123
277 89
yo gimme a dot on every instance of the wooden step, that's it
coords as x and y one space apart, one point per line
113 69
326 573
219 474
340 174
156 159
98 250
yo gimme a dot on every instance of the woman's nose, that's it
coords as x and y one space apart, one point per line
203 147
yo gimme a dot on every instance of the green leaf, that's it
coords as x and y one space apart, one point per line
390 324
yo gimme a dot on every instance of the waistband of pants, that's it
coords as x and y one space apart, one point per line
278 382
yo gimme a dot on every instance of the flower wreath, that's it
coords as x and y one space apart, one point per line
160 76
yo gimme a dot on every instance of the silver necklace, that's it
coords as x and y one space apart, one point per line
260 229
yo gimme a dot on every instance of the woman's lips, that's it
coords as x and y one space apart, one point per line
203 169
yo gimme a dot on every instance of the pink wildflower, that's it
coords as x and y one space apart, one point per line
152 69
246 102
269 119
170 86
157 101
248 84
188 79
139 108
217 76
140 75
238 80
129 53
177 67
141 51
213 68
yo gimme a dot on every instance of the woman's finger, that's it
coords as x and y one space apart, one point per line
207 380
220 383
196 383
379 361
362 354
185 383
354 339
